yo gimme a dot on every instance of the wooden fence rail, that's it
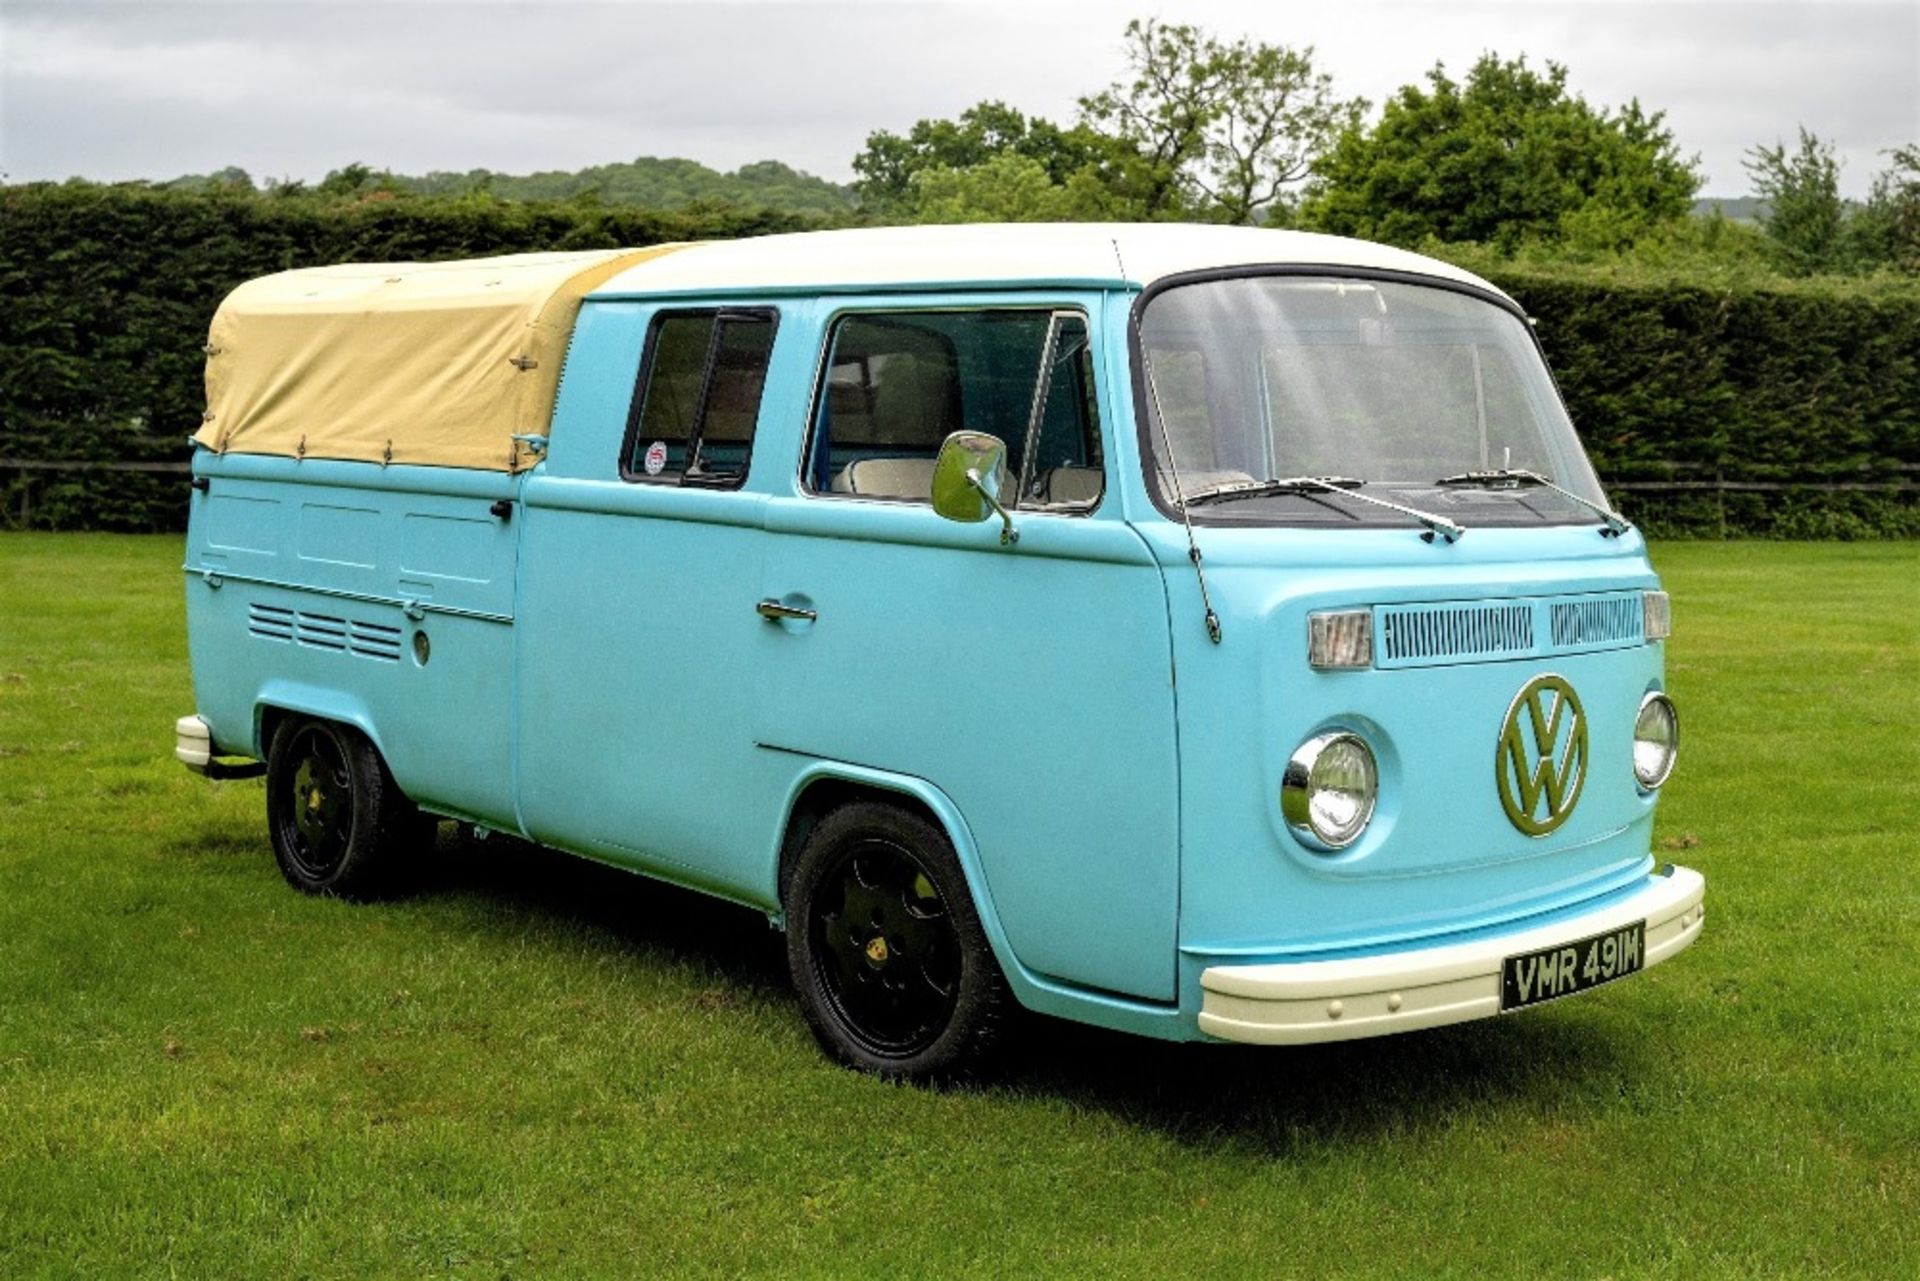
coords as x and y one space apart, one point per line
1717 484
178 466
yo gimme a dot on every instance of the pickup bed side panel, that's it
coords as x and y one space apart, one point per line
378 596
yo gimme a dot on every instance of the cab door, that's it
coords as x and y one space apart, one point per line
1031 683
634 643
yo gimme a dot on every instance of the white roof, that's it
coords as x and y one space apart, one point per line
1104 254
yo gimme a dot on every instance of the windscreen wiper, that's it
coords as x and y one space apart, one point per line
1348 485
1515 477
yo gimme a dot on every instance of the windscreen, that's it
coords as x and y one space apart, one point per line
1391 384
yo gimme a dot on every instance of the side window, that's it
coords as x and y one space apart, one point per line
697 397
896 385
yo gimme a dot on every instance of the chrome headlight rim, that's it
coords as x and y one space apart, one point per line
1659 697
1297 792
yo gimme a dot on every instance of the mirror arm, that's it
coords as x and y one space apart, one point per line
1008 534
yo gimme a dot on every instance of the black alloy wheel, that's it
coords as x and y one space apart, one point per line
893 968
338 822
321 806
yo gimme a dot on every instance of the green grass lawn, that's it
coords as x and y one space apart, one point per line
539 1067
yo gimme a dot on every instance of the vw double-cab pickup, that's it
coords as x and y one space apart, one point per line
1210 633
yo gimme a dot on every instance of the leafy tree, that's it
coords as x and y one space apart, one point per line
1227 128
1887 228
1007 187
1805 216
231 179
346 180
1197 127
1505 157
1014 188
987 133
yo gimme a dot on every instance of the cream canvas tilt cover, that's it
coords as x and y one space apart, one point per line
435 364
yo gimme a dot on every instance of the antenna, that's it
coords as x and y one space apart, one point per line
1173 466
1179 494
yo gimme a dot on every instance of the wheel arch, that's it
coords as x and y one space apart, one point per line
824 786
278 700
821 784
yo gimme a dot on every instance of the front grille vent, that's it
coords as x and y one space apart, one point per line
325 632
1575 624
1426 633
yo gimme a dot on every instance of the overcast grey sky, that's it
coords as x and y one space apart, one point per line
297 87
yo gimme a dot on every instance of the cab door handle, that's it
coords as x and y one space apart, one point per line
776 612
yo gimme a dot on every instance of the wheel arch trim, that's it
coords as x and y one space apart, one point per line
300 699
1033 990
937 802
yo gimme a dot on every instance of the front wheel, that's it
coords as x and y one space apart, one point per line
893 968
339 823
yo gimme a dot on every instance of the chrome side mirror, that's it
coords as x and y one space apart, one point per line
968 478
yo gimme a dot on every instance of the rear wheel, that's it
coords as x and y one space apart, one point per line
339 823
894 970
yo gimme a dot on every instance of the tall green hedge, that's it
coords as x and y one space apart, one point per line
105 295
1810 388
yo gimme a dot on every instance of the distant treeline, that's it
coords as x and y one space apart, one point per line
648 182
106 292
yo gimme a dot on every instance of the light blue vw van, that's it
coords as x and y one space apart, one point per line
1210 633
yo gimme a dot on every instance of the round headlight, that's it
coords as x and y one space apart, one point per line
1656 740
1328 790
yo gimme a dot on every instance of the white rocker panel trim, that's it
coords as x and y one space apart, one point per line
1307 1001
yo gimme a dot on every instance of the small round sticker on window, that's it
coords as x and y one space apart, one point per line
656 460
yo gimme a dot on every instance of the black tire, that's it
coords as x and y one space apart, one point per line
339 823
893 968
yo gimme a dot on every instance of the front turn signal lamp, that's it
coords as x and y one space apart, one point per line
1340 638
1656 740
1656 614
1328 790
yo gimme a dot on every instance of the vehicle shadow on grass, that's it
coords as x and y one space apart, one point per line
512 880
1295 1100
1279 1101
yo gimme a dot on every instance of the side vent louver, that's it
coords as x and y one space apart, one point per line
270 622
374 640
325 631
321 631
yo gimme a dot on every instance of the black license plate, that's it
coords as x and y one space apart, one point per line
1533 977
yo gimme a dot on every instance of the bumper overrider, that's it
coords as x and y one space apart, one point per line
194 748
1299 1002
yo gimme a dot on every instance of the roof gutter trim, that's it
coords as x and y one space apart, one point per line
840 288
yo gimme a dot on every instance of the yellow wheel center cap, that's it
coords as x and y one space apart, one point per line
313 800
877 950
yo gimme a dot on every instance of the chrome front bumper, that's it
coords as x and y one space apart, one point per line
1300 1002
